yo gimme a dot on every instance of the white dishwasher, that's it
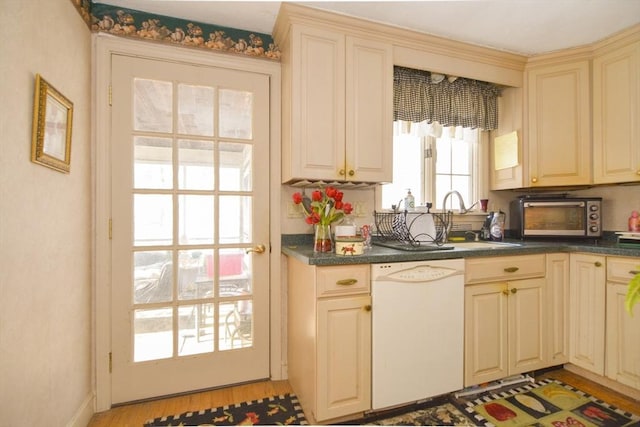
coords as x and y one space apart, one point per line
418 330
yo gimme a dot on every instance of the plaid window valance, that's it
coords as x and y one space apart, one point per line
418 96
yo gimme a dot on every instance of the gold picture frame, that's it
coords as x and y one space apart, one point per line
52 124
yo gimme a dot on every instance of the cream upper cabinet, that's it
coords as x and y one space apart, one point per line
622 330
337 106
616 114
587 311
559 125
505 319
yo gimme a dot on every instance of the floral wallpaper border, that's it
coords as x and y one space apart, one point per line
132 23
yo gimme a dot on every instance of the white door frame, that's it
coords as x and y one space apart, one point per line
104 46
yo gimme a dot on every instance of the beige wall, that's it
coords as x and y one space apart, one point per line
618 202
45 223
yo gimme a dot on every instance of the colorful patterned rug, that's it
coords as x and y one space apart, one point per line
545 403
276 410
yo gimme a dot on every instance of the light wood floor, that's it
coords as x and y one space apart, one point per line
137 414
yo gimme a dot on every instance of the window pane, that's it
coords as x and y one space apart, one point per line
195 276
147 272
195 324
152 163
195 110
196 167
461 155
152 105
153 334
443 155
235 219
235 167
153 219
408 161
236 113
196 219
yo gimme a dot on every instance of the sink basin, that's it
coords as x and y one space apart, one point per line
485 245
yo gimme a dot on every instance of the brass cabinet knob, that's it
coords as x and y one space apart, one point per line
367 307
505 292
351 172
597 264
534 180
342 172
514 290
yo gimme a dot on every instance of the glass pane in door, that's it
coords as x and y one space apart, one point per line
152 105
236 114
195 110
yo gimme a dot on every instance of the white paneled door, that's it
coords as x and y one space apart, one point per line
190 231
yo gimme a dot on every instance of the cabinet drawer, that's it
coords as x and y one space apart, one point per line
479 270
342 280
622 269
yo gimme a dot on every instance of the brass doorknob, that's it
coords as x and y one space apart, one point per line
257 249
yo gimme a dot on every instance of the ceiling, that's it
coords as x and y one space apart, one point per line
525 27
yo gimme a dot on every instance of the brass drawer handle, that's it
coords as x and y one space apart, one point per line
634 272
511 269
347 282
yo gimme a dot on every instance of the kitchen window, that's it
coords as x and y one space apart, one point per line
432 165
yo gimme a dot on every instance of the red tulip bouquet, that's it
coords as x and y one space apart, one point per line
323 209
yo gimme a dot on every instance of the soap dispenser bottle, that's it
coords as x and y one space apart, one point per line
409 201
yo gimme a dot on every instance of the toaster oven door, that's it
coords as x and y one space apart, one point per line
554 219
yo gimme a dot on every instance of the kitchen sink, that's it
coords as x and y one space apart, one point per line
485 245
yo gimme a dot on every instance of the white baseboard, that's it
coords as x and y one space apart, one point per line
84 413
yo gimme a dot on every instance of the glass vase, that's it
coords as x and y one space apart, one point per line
322 241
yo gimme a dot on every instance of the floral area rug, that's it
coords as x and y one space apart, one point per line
546 403
441 411
276 410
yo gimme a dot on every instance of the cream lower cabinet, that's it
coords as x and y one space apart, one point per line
587 311
557 311
329 339
622 330
505 319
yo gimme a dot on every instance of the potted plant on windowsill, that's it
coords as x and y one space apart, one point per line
633 293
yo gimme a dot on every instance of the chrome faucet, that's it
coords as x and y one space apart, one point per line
463 209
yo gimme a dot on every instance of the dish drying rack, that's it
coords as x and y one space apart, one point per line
396 226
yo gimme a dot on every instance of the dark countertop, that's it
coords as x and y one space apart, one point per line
300 246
